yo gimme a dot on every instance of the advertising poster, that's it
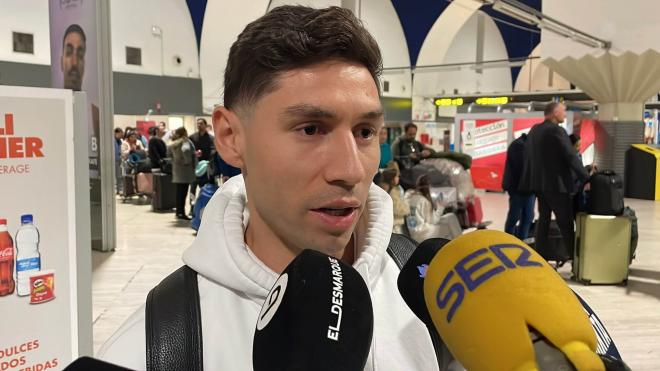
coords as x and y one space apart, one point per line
74 61
486 141
38 266
523 125
75 66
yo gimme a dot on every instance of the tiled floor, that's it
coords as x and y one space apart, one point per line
150 247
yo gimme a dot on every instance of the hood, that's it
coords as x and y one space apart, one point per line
220 254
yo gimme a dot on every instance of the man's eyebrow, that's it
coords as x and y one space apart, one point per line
308 111
372 115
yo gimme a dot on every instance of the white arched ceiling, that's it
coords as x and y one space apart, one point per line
131 24
219 32
535 76
223 21
381 19
459 46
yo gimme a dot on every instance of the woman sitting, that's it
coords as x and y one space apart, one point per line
426 217
390 183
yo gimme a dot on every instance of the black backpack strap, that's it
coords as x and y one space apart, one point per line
173 323
401 249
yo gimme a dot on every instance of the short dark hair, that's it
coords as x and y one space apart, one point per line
574 138
119 130
181 132
290 37
203 120
153 130
550 108
74 28
408 126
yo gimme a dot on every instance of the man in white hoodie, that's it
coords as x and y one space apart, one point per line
301 118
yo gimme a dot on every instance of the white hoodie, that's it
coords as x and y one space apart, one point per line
233 284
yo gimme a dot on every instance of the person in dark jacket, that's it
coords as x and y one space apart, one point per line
182 151
407 151
521 204
551 169
157 147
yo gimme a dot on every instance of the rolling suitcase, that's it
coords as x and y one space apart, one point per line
128 189
602 249
554 250
475 211
164 194
606 194
144 183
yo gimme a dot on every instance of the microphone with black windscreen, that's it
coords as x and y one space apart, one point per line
317 316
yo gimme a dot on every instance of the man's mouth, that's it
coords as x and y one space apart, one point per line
336 212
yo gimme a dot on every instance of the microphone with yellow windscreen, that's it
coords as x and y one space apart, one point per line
487 290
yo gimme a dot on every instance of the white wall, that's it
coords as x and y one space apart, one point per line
223 21
381 19
630 25
132 22
27 16
461 49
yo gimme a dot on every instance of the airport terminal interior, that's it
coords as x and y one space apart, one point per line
536 120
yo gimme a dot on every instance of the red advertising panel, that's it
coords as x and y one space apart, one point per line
143 127
486 141
523 125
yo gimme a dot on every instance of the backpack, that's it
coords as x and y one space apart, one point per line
173 318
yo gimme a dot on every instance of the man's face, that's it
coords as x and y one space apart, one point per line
119 134
310 151
560 113
161 129
382 136
411 133
201 126
73 61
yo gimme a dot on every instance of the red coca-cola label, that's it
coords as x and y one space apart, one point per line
7 253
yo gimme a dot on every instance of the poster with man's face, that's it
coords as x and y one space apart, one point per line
73 57
74 60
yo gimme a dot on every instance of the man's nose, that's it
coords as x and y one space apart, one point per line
344 164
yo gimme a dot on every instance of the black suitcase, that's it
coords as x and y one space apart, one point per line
164 196
128 190
554 249
606 194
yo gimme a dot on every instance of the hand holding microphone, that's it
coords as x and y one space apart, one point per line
317 316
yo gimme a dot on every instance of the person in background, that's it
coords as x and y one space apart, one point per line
157 147
385 149
551 167
182 152
131 144
521 203
119 134
579 197
407 151
203 142
425 212
390 183
167 136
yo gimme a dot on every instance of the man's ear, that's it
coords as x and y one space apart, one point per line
228 136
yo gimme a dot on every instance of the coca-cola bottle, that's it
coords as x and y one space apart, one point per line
6 260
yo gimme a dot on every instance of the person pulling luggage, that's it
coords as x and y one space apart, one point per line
550 171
